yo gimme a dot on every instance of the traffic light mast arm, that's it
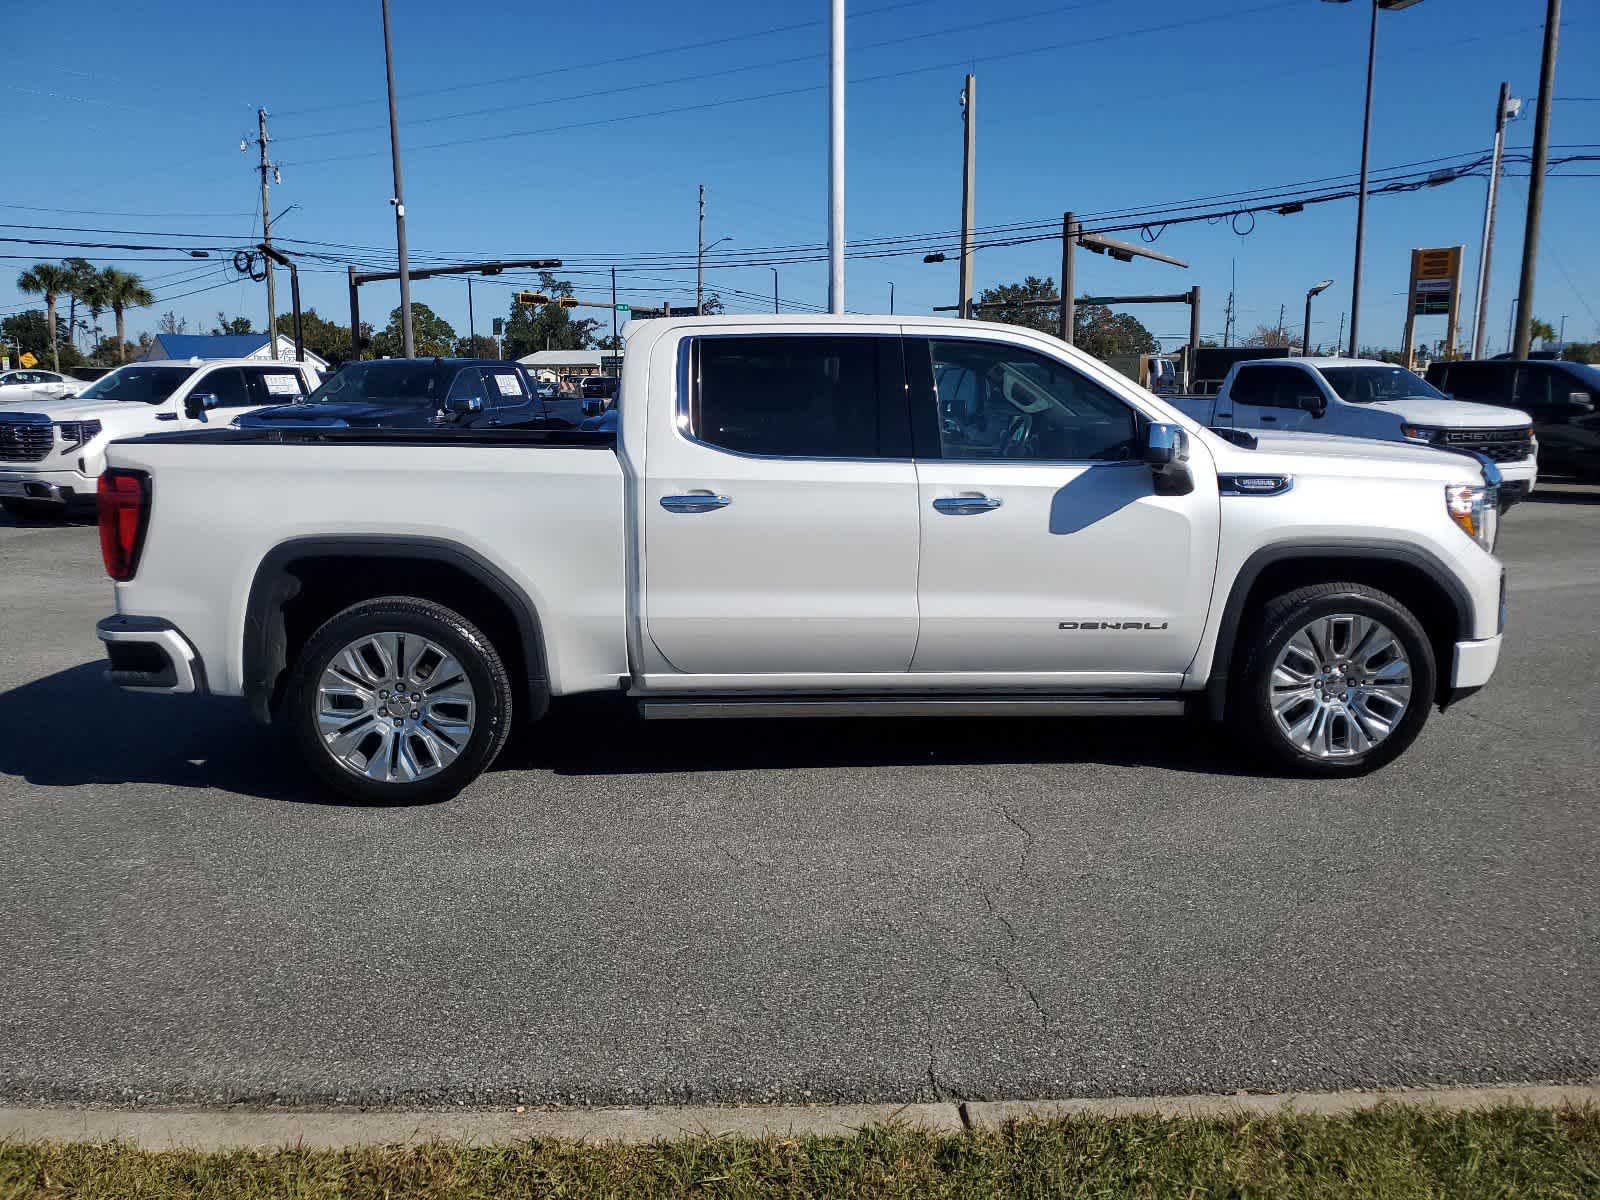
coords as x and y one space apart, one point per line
478 268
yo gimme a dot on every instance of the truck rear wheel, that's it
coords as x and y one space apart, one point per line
399 700
1338 680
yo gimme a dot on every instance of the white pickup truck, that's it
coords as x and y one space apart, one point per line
1356 397
806 517
52 451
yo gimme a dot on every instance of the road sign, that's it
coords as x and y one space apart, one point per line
623 308
28 360
1435 291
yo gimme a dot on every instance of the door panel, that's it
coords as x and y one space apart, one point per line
810 566
1033 566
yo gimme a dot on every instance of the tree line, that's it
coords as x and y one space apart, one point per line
96 289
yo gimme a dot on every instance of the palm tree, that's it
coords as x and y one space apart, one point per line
123 290
83 271
51 281
91 293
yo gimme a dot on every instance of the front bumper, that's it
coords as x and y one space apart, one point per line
1472 665
149 654
63 487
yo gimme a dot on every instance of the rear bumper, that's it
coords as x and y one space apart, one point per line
149 654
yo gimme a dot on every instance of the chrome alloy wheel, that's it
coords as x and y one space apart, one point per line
395 707
1340 686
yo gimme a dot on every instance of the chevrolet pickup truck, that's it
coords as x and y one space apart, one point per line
1354 397
52 451
819 516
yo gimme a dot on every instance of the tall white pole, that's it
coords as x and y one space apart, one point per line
1480 312
836 160
969 147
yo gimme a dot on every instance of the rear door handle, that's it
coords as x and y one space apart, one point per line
695 502
966 506
1264 419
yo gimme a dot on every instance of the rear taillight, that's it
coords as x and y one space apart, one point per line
124 498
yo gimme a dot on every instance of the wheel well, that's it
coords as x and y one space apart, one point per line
1440 614
309 589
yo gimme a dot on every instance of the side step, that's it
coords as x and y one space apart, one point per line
699 708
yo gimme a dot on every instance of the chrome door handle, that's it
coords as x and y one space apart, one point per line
695 502
966 506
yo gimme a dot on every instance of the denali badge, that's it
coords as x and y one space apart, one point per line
1111 625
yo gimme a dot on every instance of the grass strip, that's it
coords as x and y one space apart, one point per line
1387 1153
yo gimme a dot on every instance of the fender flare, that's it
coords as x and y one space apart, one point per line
1389 552
274 585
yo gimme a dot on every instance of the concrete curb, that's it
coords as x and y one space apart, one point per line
259 1130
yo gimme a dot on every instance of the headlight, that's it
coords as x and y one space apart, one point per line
1476 509
1418 433
77 433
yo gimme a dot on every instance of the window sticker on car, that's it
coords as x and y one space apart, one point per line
283 385
508 385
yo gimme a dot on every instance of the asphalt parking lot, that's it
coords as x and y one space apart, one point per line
794 911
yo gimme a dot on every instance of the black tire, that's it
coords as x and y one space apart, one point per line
1250 707
35 510
405 615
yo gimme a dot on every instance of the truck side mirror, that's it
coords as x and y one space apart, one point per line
1317 406
1166 453
467 406
594 406
1580 401
198 403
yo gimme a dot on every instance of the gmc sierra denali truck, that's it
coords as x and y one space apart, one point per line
806 517
1356 397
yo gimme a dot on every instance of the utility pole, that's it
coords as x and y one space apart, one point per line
472 327
1505 108
774 289
1281 308
407 342
266 232
616 346
1069 248
969 149
836 157
891 302
1561 338
1541 160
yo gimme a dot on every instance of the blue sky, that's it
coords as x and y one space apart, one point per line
134 117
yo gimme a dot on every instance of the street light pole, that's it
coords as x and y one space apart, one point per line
1314 290
1505 107
836 157
408 345
969 150
700 258
1366 150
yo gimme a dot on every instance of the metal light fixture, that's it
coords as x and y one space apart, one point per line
1314 290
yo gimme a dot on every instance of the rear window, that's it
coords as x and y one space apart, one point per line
791 397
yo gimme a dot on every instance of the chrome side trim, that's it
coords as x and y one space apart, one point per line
900 706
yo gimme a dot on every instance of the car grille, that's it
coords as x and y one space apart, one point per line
25 437
1497 445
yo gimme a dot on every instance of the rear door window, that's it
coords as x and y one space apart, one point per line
504 387
1480 381
274 385
798 396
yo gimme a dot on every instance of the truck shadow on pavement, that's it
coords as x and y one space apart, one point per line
604 736
73 728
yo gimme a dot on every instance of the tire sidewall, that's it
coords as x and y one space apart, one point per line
1277 633
491 700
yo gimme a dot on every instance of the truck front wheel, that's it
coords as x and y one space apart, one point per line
1337 680
399 700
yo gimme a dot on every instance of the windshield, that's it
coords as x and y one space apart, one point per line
146 385
1367 385
406 383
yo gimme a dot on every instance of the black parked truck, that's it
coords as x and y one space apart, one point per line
1563 398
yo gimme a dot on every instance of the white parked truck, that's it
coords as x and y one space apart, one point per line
806 517
1355 397
52 452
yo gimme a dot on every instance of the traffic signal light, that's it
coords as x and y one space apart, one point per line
568 302
531 299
